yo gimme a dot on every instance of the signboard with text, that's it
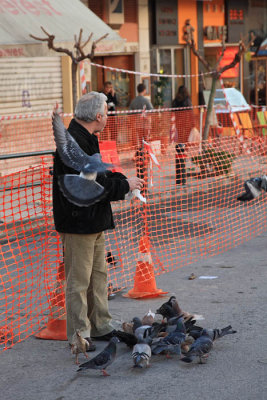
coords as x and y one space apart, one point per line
166 22
236 14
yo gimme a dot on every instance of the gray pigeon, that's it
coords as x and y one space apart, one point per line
214 334
102 360
172 342
147 332
200 348
139 329
141 353
81 190
253 188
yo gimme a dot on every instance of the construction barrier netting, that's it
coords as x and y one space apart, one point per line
191 211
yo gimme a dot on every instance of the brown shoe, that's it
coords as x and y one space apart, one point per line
91 346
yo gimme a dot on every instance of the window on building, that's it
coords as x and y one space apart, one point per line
170 61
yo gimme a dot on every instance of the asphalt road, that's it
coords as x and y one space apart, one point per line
236 367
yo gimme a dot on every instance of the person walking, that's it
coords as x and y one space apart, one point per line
82 229
140 100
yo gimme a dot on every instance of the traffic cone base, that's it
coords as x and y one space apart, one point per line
144 282
56 329
138 295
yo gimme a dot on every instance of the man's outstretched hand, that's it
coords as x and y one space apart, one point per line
135 183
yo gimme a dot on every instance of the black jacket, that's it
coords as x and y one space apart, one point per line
111 101
70 218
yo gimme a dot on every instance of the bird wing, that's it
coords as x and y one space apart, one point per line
202 345
71 153
103 358
79 191
69 150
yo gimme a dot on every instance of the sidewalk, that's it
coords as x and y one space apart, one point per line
236 368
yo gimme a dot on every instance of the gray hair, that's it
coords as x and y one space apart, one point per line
89 106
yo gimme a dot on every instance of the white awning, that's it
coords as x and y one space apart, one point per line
61 18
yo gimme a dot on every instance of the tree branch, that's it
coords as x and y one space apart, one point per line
222 54
191 44
77 45
50 43
91 56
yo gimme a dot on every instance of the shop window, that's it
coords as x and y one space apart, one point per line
168 61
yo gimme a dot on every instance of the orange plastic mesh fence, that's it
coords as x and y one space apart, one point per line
191 212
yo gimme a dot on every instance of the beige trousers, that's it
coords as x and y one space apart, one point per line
86 284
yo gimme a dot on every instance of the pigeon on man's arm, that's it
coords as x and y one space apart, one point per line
82 189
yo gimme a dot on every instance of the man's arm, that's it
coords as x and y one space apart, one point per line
118 185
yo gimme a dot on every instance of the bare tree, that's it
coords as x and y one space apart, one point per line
214 71
76 58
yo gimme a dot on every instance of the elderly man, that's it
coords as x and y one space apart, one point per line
82 229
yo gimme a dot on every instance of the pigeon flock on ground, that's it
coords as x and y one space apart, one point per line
175 334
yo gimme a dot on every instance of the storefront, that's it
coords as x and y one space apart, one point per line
168 54
122 16
32 77
123 82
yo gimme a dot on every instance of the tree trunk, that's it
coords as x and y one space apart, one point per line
74 67
209 109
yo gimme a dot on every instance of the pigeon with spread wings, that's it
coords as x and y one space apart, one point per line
81 190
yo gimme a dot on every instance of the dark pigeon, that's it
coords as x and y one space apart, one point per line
253 188
127 338
167 310
102 360
214 334
172 342
200 348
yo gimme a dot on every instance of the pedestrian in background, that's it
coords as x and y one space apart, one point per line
140 100
109 91
112 102
82 229
185 120
141 128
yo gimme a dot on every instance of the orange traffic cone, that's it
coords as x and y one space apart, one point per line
144 280
56 328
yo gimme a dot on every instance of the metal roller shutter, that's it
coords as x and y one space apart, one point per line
29 84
